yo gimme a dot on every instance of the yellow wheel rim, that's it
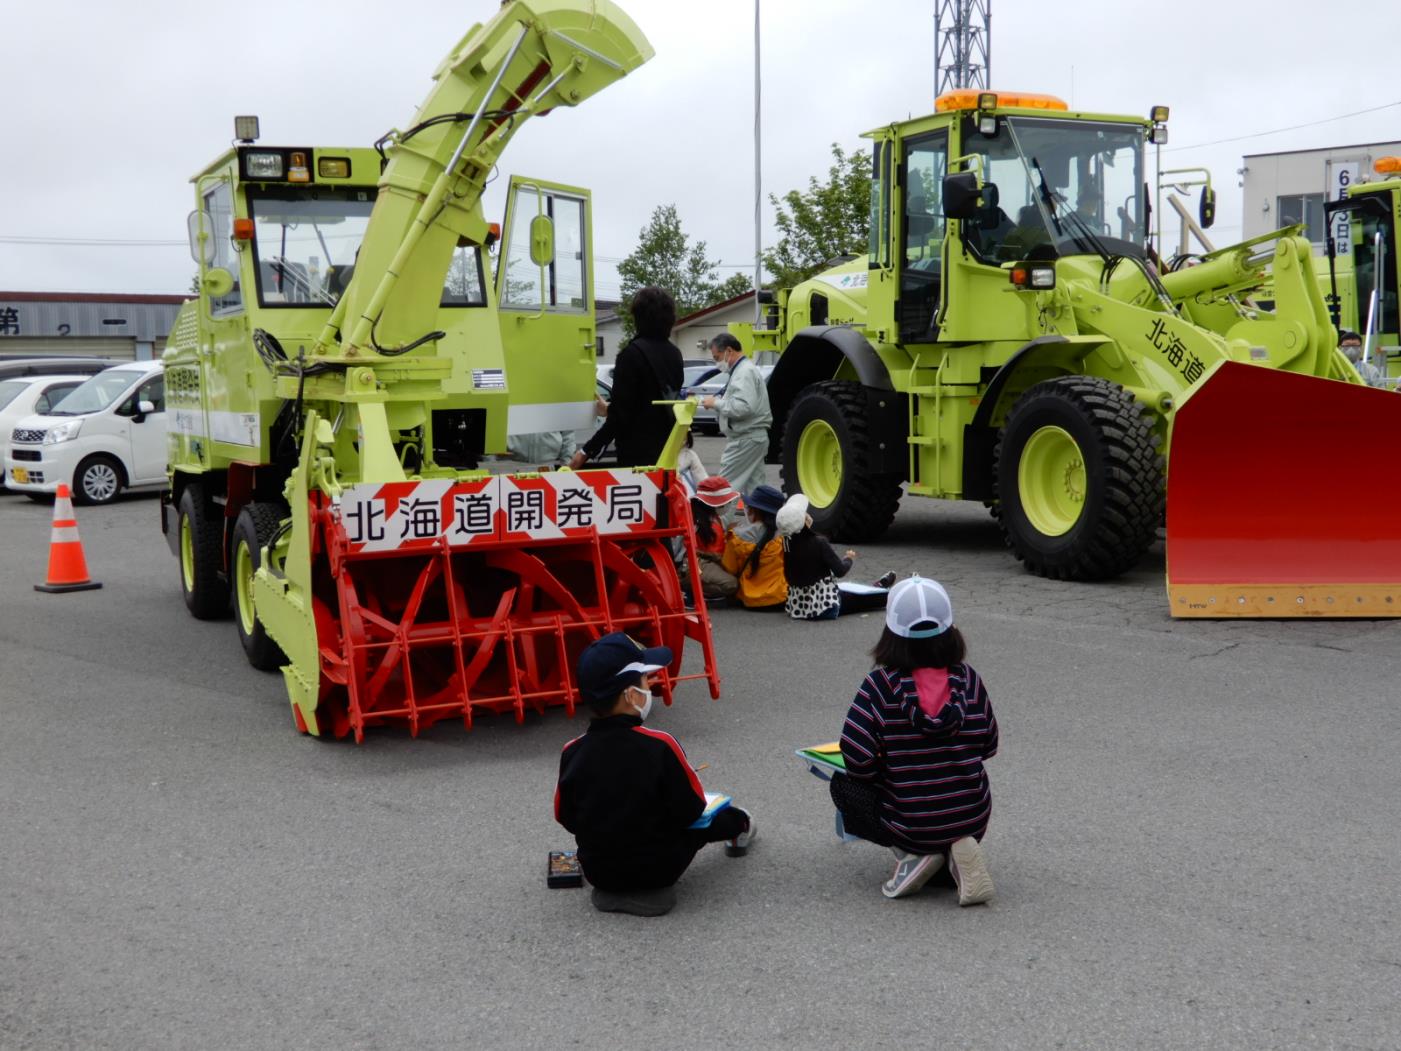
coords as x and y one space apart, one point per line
243 583
187 553
820 463
1051 481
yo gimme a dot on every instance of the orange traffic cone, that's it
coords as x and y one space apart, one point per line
68 569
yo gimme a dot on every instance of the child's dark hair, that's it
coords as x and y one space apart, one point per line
941 651
770 531
704 516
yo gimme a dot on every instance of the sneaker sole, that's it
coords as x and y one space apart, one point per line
971 872
915 885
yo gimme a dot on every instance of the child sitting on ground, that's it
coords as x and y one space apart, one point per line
713 496
628 793
754 553
914 743
812 567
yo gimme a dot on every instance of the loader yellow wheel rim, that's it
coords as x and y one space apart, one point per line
1051 481
243 581
187 553
820 463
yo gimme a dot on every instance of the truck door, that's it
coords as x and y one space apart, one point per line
544 292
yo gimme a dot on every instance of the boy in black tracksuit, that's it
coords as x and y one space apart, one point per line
628 793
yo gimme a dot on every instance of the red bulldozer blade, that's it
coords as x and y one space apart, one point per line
1283 498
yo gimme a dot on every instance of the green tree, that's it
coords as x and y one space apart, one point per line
665 256
831 219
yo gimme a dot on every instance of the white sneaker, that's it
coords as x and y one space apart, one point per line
970 871
912 871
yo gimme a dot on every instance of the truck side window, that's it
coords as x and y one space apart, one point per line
218 203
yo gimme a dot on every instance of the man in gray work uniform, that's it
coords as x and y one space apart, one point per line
744 415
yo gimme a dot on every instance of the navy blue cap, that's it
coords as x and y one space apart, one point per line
764 498
615 662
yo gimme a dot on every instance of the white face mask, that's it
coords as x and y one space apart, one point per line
646 708
724 364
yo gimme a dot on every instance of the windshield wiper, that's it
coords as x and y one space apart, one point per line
1080 230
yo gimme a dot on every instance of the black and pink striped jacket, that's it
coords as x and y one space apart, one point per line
934 789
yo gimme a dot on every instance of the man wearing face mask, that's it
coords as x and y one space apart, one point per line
628 793
744 415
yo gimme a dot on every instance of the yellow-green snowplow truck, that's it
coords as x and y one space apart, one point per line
1363 272
1008 338
346 365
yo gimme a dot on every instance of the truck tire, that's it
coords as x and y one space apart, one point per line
97 480
256 524
201 546
1079 479
826 442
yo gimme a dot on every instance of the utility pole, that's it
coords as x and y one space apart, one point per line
962 44
758 187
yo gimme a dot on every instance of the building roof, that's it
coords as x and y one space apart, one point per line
1323 149
691 319
155 299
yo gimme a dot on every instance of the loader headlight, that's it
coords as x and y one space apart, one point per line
1033 276
1158 114
1158 136
63 432
261 165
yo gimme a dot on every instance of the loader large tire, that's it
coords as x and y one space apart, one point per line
256 524
1079 479
826 441
201 540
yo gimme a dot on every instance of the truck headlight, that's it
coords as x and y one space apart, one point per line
63 432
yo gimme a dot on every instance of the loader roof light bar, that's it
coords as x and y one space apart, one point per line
972 98
1031 276
1388 166
246 129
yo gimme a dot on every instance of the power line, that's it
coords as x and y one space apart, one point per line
1292 127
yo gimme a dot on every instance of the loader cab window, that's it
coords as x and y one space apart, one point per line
922 238
307 241
561 285
218 205
1062 186
1364 259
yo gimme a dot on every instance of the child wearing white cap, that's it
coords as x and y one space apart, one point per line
812 567
915 739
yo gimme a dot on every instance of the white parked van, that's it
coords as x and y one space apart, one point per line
105 436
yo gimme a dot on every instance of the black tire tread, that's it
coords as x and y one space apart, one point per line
209 599
262 652
1133 492
867 502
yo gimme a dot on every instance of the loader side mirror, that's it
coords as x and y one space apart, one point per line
201 243
542 241
961 194
1206 208
216 282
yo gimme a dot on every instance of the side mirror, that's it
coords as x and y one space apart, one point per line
1206 207
145 408
201 233
542 241
961 194
216 282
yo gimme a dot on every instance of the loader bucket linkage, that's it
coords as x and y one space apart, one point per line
1265 518
449 599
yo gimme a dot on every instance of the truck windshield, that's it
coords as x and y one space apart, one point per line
306 241
1092 195
1376 235
96 394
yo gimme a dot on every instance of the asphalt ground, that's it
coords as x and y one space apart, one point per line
1194 836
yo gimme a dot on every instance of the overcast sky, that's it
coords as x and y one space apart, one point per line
109 114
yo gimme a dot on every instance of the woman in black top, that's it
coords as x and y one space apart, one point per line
648 369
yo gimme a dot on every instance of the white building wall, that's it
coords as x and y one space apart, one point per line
1320 173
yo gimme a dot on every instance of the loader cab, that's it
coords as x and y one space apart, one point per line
991 180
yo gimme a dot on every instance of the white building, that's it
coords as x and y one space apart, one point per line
695 331
1281 189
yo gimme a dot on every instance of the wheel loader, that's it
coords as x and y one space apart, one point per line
347 364
1009 338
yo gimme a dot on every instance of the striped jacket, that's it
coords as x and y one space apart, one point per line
930 773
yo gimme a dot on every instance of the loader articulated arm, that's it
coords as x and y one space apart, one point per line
530 58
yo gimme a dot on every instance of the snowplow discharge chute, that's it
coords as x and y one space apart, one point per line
1281 498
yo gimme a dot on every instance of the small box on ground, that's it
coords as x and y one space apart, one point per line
564 870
